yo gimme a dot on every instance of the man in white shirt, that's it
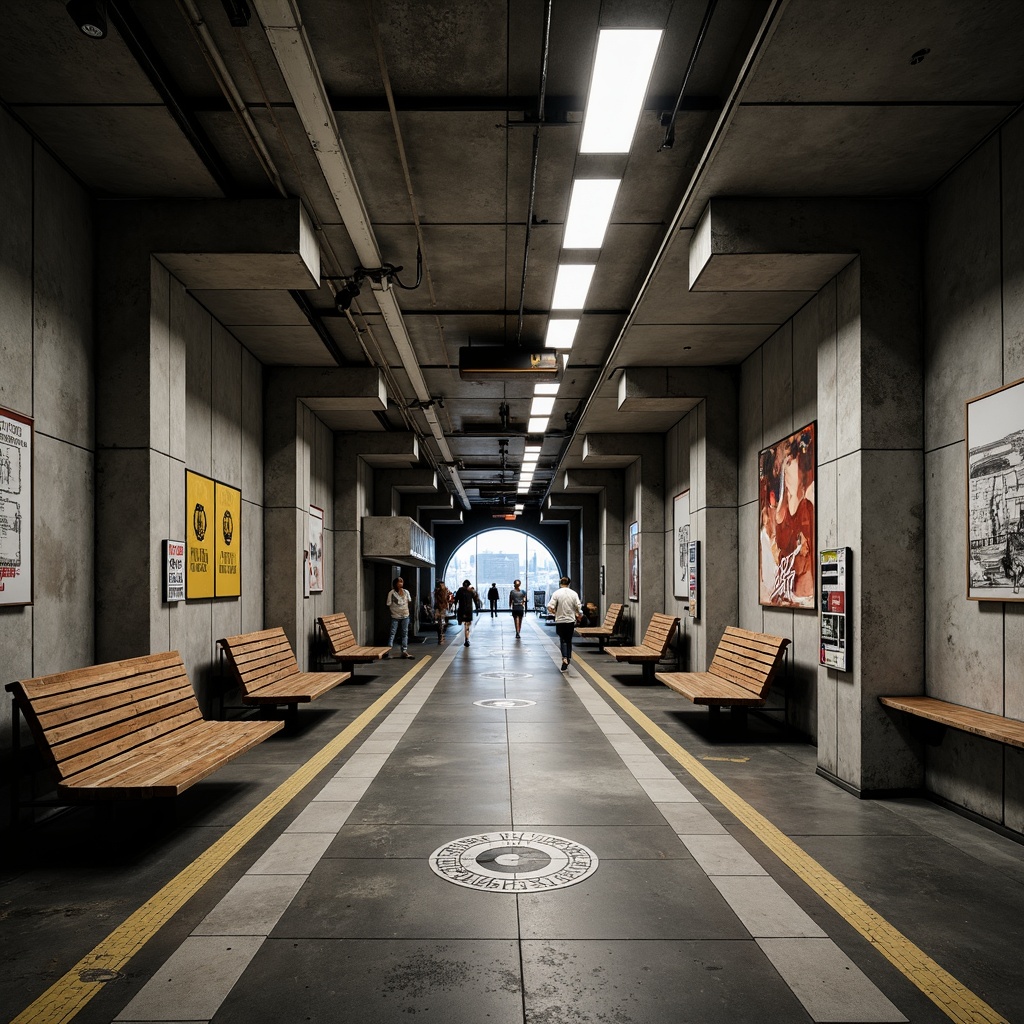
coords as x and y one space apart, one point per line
567 610
398 605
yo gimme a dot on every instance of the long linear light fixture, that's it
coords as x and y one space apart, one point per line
590 210
622 71
571 285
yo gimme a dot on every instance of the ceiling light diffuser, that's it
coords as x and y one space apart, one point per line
572 285
545 389
590 210
537 425
622 71
561 333
542 406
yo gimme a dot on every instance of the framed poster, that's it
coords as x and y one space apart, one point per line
200 517
786 474
316 550
174 571
995 495
227 541
634 562
680 542
15 508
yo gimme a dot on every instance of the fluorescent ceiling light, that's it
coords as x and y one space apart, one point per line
565 360
572 285
529 464
524 486
561 333
520 508
537 425
590 210
545 389
622 71
533 449
542 406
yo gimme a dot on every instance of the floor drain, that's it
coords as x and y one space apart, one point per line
99 974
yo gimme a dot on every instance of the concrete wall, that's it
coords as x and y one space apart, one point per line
46 368
974 650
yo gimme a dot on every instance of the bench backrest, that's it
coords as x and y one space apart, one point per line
750 660
259 659
660 631
338 631
611 619
86 716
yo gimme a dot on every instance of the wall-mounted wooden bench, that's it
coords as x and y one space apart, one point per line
740 674
652 648
341 644
956 716
606 630
128 729
264 666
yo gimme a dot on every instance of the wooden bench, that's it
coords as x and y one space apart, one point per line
341 643
956 716
606 630
740 674
653 647
128 729
264 666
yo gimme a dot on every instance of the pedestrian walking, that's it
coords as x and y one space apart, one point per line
517 602
442 602
492 598
467 600
567 610
398 606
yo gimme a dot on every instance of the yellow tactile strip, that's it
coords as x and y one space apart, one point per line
953 998
67 996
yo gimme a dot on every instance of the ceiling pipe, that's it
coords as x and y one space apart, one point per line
288 40
536 162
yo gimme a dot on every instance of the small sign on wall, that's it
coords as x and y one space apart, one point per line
693 577
834 651
174 571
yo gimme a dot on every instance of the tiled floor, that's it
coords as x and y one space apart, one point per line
332 912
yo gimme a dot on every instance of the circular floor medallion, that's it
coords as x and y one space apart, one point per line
514 862
504 703
506 675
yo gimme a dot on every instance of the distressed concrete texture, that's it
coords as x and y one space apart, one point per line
62 349
1013 249
750 435
16 184
826 398
963 330
63 557
749 607
968 771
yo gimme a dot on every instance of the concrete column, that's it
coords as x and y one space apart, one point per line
605 530
870 434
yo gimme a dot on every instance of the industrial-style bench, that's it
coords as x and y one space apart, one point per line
264 666
652 648
956 716
128 729
340 642
606 630
740 674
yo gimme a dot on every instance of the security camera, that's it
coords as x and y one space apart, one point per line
90 16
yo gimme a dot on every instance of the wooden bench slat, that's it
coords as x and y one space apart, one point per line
341 641
104 729
740 674
704 688
979 723
264 666
169 771
655 644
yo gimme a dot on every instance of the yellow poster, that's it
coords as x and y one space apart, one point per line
228 541
200 532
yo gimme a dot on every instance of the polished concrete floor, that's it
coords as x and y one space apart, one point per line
578 847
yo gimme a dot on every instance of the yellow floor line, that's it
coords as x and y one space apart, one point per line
953 998
67 996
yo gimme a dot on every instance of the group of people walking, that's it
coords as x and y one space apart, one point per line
564 605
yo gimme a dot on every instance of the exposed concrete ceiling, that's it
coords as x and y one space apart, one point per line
787 98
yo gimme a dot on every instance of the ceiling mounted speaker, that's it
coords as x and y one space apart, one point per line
90 16
493 362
